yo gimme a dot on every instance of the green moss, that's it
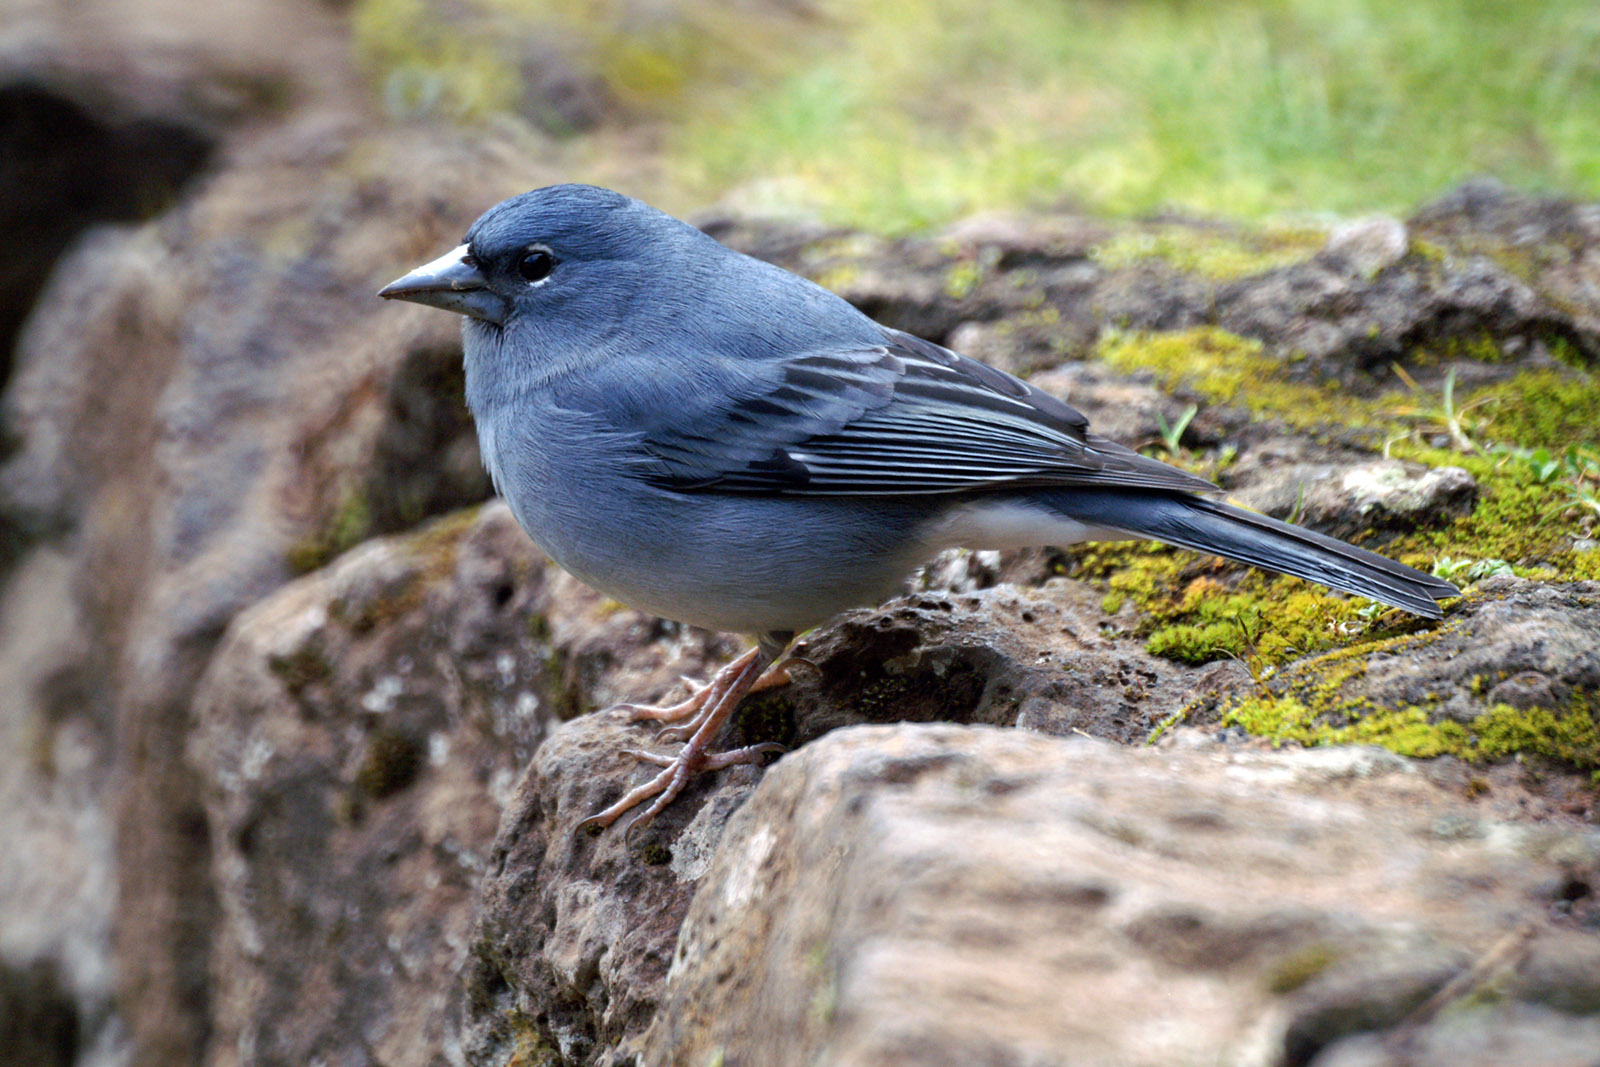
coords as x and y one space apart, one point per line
1224 368
302 667
528 1045
1515 518
1544 409
1433 254
1569 736
424 64
1196 642
1217 253
654 854
681 51
437 542
767 716
1299 967
1316 709
434 546
1530 522
1585 566
349 524
393 760
839 277
470 58
961 277
1195 608
1531 510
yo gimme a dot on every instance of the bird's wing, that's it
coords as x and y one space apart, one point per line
901 418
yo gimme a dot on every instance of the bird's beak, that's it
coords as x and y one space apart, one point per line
453 282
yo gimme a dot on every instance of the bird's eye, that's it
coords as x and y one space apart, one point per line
536 265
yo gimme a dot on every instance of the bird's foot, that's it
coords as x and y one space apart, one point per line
699 695
675 775
717 701
682 731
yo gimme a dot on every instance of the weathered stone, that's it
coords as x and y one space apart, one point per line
939 894
199 406
1516 642
1346 494
1368 246
1003 656
357 735
67 166
1556 242
566 962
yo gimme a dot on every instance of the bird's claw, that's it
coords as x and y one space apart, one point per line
712 706
675 775
686 727
692 710
684 709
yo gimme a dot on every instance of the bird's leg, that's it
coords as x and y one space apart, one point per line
731 685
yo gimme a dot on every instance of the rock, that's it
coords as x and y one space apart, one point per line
204 405
562 965
1517 1034
58 884
565 962
940 894
357 735
1004 656
356 750
223 63
70 165
1556 242
569 949
1513 642
1127 411
1347 494
108 108
1028 296
1368 246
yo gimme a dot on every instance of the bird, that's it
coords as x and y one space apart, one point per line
709 438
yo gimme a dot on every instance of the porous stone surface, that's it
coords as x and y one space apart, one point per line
928 894
1518 643
357 736
574 938
202 406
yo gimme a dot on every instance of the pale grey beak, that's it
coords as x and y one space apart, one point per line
453 282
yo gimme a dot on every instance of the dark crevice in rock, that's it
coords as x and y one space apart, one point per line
38 1016
425 459
64 166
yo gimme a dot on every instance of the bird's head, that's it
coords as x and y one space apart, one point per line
564 251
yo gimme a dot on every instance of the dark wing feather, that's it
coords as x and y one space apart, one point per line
902 418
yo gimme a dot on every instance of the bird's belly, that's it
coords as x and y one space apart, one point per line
745 564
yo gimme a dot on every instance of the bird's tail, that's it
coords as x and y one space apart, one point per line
1208 525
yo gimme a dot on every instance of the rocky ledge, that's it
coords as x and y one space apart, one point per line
303 729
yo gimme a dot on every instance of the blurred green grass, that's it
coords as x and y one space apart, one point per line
894 115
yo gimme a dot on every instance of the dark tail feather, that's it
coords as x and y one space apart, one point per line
1208 525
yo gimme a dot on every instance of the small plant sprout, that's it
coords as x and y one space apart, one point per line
1442 414
1173 434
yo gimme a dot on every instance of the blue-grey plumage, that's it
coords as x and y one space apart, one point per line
710 438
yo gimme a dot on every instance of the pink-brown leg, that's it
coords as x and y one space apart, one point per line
730 686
